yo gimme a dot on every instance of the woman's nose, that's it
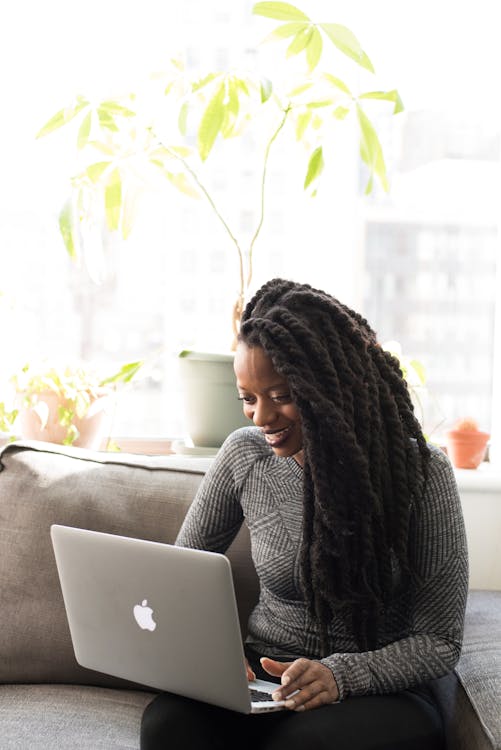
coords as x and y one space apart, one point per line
264 413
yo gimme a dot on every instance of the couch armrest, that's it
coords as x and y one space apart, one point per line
470 698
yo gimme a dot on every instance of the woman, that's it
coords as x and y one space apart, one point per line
357 538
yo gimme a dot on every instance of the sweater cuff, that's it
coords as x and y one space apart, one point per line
351 674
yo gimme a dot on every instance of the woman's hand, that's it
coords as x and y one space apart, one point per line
250 674
315 682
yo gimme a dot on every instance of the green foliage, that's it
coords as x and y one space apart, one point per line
76 386
120 144
7 418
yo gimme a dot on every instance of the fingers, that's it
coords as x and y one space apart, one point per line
275 668
314 682
250 673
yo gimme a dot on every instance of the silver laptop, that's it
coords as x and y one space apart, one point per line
158 615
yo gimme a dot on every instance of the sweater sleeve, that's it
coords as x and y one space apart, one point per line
433 644
215 515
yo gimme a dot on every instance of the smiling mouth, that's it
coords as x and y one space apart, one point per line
277 437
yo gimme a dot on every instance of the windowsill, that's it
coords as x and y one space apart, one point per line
144 446
487 478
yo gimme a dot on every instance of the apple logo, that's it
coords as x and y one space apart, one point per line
143 616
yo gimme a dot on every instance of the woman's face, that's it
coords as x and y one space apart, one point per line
267 401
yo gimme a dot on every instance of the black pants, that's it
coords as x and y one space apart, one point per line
403 721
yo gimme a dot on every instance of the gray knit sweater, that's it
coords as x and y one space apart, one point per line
422 633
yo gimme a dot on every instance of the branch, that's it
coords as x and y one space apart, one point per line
209 198
263 182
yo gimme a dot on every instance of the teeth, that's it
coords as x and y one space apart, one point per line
275 437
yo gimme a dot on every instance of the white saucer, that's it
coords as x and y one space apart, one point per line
180 447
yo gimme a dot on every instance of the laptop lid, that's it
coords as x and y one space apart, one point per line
158 615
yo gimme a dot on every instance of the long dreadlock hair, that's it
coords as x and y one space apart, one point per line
365 457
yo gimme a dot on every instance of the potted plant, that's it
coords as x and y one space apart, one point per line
124 144
69 404
466 444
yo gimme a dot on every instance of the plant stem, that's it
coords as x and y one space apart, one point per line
263 183
212 203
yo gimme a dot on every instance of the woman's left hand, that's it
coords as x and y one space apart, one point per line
315 682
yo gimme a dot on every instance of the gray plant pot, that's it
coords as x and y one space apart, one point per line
212 408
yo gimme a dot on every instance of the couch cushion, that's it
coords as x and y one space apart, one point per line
50 717
42 484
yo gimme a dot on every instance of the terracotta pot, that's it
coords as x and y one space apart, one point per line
466 448
92 427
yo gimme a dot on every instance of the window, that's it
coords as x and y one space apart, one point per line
422 263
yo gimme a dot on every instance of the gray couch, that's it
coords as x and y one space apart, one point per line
46 700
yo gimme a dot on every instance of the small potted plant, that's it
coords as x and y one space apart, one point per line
70 404
466 444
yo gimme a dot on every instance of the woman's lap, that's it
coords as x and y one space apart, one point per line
404 721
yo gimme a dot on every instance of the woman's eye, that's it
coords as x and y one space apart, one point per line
246 399
282 398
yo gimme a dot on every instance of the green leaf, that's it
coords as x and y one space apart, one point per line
233 103
300 89
300 41
113 200
71 435
202 82
419 369
112 446
242 85
84 131
371 151
315 167
341 112
130 199
320 103
347 43
183 151
82 403
279 11
211 123
66 227
314 49
125 374
62 117
104 148
178 63
303 120
96 170
65 415
337 82
231 110
317 122
7 418
286 30
266 88
114 108
182 120
106 120
389 96
182 183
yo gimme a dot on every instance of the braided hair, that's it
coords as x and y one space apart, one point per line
365 457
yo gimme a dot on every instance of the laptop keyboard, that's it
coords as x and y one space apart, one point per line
258 695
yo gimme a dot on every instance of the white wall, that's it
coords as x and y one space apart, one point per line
480 492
